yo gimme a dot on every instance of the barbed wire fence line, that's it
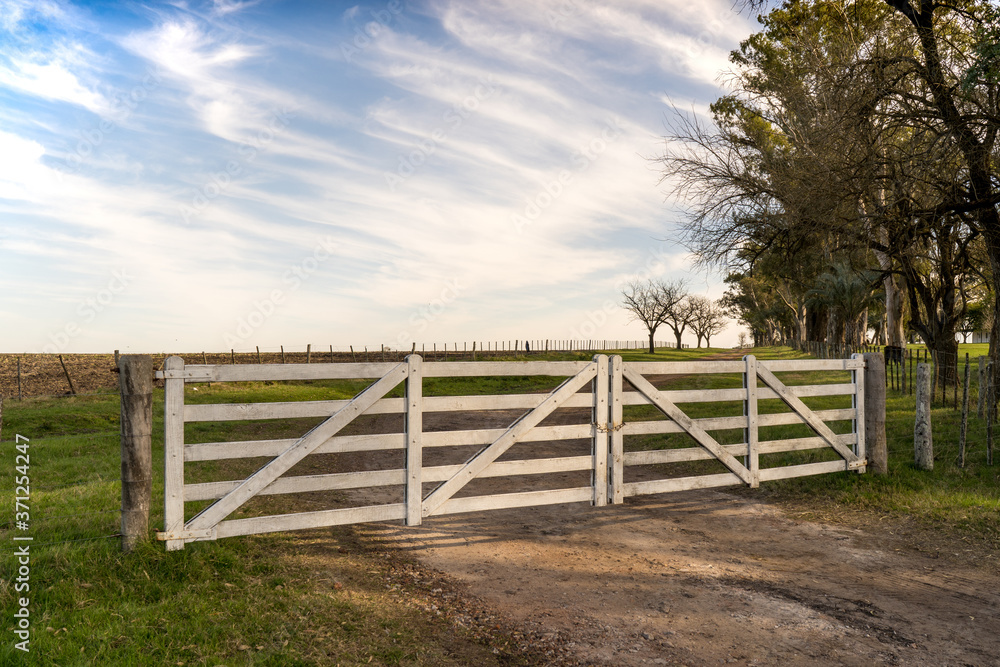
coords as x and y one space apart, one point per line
28 375
68 502
961 391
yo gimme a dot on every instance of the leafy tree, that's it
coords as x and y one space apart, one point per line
837 144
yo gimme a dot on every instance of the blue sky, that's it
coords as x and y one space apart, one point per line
188 176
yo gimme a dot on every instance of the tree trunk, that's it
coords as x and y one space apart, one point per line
993 251
652 333
832 325
893 313
800 323
945 348
677 334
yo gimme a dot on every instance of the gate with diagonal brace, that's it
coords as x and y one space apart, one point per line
585 420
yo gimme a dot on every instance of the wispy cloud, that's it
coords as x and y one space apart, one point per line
414 163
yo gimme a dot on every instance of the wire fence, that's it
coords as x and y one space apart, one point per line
961 384
72 491
29 375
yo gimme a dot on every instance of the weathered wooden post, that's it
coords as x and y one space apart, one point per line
875 444
923 444
965 415
69 380
982 387
135 381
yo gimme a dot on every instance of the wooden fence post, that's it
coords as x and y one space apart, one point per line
982 387
991 402
923 444
876 448
965 415
135 382
309 353
68 378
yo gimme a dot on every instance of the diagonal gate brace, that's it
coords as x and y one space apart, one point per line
304 446
809 417
698 433
491 452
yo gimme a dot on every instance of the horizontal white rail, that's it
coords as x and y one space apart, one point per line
214 451
355 371
369 478
658 456
205 412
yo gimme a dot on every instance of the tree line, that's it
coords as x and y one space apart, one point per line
848 181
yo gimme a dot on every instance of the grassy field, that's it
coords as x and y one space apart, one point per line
273 600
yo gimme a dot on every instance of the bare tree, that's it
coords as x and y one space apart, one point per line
650 302
709 319
680 314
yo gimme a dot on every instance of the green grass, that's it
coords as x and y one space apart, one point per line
321 597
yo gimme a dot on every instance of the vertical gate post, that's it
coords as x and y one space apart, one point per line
600 430
923 444
135 382
750 433
869 410
616 493
173 452
414 447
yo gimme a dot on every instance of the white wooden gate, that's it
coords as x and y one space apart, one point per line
597 385
849 446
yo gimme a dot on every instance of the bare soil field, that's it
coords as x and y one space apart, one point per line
43 375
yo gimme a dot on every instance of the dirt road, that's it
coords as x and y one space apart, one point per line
706 578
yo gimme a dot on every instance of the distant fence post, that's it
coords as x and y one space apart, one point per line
875 444
923 444
135 381
963 432
982 387
69 380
